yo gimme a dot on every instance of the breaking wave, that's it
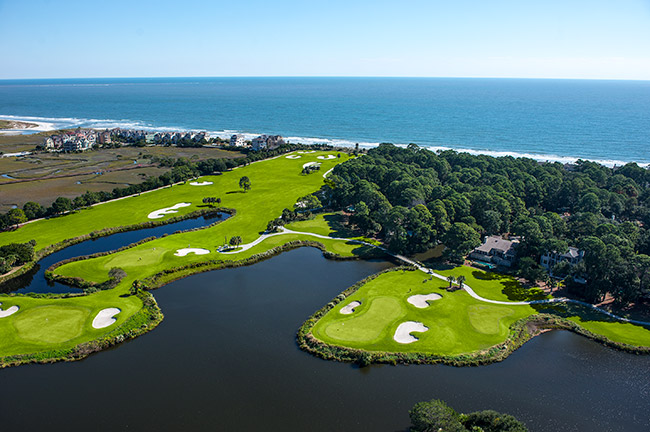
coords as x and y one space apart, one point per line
68 122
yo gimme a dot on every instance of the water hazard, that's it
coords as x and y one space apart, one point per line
225 358
34 281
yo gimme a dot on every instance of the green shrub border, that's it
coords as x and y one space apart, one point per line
521 331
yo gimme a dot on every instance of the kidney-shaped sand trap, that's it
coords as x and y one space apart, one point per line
349 308
105 318
310 164
304 151
205 183
420 300
326 157
294 157
167 210
10 311
403 332
185 251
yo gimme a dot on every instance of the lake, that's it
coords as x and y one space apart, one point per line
225 358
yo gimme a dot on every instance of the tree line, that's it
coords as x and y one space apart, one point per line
413 199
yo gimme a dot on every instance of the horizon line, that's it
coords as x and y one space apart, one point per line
331 76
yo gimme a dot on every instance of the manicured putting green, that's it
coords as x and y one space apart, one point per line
51 324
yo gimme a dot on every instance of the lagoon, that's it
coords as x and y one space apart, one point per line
225 358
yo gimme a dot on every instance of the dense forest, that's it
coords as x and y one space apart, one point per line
413 199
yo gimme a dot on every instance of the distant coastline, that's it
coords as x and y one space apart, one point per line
44 124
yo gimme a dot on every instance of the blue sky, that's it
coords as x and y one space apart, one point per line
594 39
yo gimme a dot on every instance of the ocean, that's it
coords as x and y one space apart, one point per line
554 120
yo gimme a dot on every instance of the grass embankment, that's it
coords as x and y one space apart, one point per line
461 329
276 184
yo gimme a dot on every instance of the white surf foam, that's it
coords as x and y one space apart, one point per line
71 122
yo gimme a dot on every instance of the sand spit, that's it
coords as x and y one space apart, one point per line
167 210
420 300
105 318
349 308
403 332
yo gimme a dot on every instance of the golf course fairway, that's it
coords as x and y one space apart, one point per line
59 327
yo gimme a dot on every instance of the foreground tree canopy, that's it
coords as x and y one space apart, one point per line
413 199
436 416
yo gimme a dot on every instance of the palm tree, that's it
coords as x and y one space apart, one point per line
461 280
450 279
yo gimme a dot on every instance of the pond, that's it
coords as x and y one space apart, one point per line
225 358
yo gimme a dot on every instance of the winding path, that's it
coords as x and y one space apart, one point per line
467 288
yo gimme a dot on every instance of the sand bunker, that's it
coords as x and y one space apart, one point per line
420 300
403 332
310 164
205 183
304 151
294 157
10 311
348 309
326 157
185 251
105 317
167 210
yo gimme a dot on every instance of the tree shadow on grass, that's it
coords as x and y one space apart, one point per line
585 313
336 222
489 276
512 288
233 192
369 252
442 266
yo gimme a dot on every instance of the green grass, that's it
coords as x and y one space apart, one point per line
276 184
44 324
494 286
330 224
458 324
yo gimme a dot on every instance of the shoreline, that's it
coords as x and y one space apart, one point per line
51 124
26 126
